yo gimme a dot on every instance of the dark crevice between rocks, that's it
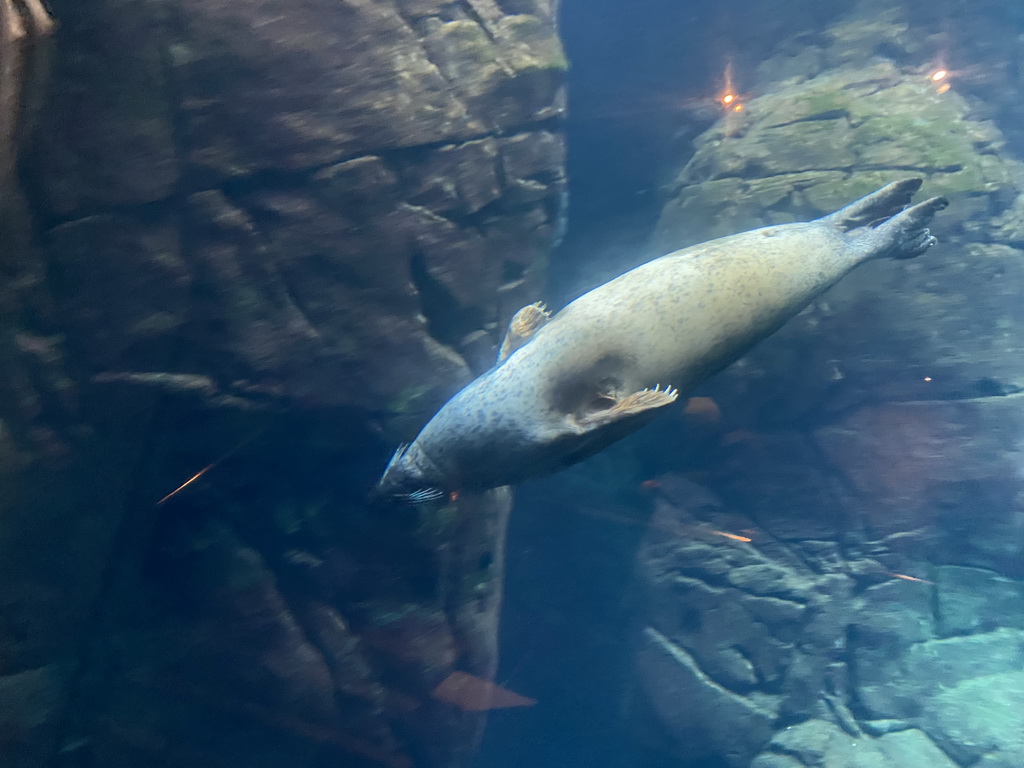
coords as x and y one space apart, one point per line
146 212
877 83
982 388
139 512
85 696
59 406
296 300
447 321
167 415
294 592
247 497
501 174
473 15
764 173
987 387
832 114
853 537
790 548
36 79
261 179
512 272
420 31
36 64
553 124
477 219
853 703
171 18
192 239
671 647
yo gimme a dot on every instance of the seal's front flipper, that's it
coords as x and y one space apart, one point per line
609 418
627 408
526 322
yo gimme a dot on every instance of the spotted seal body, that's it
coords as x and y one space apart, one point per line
567 387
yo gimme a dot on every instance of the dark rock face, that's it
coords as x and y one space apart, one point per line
339 191
263 243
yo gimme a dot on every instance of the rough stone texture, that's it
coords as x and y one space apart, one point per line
737 635
980 718
947 465
265 635
348 195
695 708
267 240
873 443
818 744
26 360
741 638
976 600
897 676
27 702
794 150
33 680
877 123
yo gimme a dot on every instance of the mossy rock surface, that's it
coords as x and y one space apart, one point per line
805 149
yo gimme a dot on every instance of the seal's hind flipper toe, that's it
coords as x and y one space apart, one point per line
526 322
876 207
637 404
906 234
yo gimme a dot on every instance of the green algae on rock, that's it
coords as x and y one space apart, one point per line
827 140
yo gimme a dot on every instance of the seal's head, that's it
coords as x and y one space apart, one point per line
411 478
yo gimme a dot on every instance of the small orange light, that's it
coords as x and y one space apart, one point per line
738 108
943 88
905 577
732 536
187 483
939 74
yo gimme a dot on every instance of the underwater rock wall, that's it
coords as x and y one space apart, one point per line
268 239
845 583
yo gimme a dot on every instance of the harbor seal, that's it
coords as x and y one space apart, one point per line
567 386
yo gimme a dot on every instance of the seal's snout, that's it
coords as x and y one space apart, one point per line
408 479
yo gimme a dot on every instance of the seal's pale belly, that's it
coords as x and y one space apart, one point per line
677 319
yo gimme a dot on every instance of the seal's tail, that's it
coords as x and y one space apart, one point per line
877 207
882 226
906 234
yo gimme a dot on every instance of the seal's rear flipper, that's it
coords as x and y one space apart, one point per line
874 208
903 236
